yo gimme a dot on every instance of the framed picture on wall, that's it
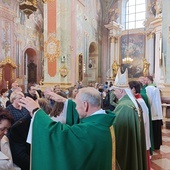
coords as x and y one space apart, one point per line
132 51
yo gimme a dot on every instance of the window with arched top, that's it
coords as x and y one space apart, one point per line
134 11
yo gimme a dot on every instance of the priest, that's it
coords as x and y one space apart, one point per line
129 127
87 145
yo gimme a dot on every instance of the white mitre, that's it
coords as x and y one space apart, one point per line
121 82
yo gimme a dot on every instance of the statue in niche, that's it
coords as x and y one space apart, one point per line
158 8
115 68
151 9
146 65
114 14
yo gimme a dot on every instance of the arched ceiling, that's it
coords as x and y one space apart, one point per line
106 4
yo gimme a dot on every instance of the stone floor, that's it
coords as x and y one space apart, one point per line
161 158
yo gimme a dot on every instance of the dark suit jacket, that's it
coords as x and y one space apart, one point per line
29 95
20 149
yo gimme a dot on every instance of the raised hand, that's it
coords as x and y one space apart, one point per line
55 96
29 104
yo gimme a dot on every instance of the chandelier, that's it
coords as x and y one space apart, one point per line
127 60
29 6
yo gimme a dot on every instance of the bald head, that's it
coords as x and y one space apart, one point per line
91 95
88 101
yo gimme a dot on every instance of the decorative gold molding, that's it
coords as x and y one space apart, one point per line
0 75
45 1
52 48
146 65
63 71
150 36
112 39
8 60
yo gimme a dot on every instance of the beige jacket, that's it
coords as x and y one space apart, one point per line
6 164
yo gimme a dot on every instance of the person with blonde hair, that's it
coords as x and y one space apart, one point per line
15 108
18 137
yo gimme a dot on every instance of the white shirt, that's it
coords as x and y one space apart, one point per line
155 102
61 118
146 122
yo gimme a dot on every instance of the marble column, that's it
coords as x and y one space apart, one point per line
112 56
150 52
158 70
166 38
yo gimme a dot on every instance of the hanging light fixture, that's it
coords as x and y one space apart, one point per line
127 59
29 6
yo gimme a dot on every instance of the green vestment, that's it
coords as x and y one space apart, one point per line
83 146
130 136
72 115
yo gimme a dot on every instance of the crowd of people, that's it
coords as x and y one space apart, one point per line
110 126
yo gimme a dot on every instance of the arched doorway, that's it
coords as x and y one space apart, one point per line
30 67
93 63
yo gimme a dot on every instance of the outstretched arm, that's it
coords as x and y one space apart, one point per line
29 104
55 97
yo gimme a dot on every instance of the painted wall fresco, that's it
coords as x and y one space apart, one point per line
135 44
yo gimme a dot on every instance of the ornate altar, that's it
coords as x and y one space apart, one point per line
7 74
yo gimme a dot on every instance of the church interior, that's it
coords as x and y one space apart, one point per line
62 42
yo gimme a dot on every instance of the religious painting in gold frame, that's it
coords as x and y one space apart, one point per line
132 51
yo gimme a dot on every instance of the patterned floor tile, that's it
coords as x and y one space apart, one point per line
161 158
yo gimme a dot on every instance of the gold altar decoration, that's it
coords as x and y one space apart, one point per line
146 65
52 48
30 6
8 60
115 68
41 82
63 71
0 75
7 84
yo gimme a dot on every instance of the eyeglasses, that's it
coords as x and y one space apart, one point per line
4 129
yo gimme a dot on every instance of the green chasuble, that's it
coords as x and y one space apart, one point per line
72 115
83 146
145 98
130 136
